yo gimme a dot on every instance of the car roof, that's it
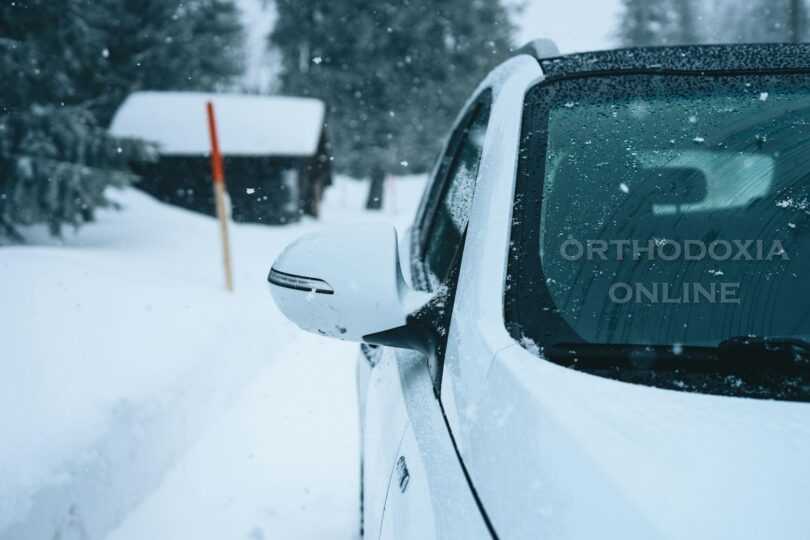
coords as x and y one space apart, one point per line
741 57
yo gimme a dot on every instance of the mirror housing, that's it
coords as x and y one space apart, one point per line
345 283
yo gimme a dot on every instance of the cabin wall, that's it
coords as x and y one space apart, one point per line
262 190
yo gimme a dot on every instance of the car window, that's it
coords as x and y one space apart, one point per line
667 212
456 186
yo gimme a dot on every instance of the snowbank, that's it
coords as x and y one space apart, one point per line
127 370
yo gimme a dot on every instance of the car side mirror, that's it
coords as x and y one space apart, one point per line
345 283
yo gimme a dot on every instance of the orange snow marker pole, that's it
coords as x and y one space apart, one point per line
219 195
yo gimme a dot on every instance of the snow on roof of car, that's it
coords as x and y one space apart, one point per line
743 57
247 125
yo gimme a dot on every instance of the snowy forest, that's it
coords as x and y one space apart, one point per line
393 74
687 22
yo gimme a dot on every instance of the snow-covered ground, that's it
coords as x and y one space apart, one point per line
140 400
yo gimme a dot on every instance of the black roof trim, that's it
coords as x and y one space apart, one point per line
741 57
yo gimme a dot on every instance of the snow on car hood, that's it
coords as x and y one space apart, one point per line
556 453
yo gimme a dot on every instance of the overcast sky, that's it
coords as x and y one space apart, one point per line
576 25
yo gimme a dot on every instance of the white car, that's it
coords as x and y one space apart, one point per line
604 334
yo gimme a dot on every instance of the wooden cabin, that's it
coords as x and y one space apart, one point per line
275 150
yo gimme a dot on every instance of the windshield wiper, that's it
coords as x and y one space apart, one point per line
740 355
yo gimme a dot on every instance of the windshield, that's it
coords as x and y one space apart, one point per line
663 209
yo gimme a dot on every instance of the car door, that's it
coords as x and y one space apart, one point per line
384 420
428 492
385 415
386 425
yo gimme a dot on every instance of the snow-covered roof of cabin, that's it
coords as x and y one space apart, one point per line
247 125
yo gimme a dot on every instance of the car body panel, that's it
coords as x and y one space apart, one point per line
436 501
379 441
385 421
583 456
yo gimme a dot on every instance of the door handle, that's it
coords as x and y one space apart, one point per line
402 474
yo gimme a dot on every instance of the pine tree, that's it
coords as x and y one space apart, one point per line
646 22
54 155
686 29
164 45
393 74
66 66
758 21
668 22
796 21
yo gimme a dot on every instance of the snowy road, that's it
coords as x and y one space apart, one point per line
141 401
280 463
